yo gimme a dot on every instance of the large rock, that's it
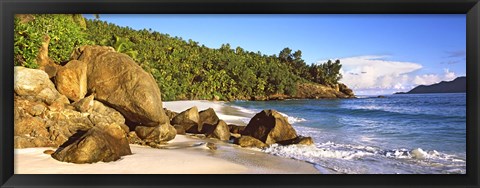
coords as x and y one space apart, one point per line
248 141
104 142
219 131
71 80
189 119
34 83
158 134
207 116
121 83
270 127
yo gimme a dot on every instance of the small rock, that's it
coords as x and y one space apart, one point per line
189 119
207 116
211 146
48 152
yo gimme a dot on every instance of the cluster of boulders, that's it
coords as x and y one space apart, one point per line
265 128
52 110
101 101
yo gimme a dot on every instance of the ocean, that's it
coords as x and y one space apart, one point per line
398 134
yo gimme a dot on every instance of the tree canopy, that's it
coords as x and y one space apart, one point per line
183 69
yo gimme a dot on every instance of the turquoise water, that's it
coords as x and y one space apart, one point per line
417 133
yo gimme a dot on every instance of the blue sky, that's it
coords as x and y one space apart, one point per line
380 54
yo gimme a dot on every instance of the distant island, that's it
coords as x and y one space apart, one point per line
456 86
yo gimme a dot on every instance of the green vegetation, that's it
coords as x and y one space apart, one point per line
183 69
65 30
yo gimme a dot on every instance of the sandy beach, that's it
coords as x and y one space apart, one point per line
183 155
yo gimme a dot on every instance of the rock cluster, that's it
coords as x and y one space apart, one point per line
93 128
265 128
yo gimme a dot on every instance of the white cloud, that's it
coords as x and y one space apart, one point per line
426 79
449 76
372 74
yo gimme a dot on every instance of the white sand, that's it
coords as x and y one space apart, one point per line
145 160
185 155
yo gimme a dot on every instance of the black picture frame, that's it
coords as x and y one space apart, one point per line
469 7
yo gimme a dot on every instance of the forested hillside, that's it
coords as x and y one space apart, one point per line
183 69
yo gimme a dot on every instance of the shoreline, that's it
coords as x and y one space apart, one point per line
185 154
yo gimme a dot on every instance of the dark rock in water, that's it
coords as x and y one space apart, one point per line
236 129
180 129
219 131
104 142
71 80
170 114
159 134
48 152
270 127
248 141
122 84
381 96
207 116
299 140
189 119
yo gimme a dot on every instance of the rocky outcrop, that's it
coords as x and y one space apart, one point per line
317 91
121 83
104 142
270 127
347 91
248 141
71 80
